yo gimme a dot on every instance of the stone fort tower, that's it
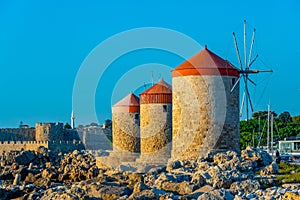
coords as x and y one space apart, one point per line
126 122
156 119
49 131
205 111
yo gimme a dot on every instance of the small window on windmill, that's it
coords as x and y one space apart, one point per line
165 108
45 131
233 81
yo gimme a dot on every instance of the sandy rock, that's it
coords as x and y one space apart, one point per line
198 179
203 165
247 186
227 160
261 157
50 174
195 194
182 188
30 178
42 183
140 186
173 165
3 193
164 177
270 169
291 196
111 191
150 179
219 194
17 179
25 158
293 186
145 195
222 181
247 165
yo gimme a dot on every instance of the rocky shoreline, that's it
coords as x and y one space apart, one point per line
228 175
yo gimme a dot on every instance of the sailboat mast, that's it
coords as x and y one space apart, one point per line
268 130
259 131
253 138
272 121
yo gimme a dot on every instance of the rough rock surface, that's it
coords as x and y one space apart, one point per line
225 175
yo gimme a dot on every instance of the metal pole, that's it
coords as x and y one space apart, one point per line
251 46
152 77
259 127
245 45
268 130
243 98
253 138
272 121
237 50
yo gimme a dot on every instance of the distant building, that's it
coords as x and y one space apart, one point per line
50 135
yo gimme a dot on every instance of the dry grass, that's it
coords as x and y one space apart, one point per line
288 173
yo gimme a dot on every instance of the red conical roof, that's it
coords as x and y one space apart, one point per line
159 88
130 103
205 63
161 92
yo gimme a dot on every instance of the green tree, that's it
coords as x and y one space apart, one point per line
284 126
108 123
296 119
67 126
285 118
246 139
263 114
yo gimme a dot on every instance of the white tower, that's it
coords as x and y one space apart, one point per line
72 120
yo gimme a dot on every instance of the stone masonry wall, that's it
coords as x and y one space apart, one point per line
49 131
59 146
54 131
155 127
205 115
17 134
95 138
126 131
18 145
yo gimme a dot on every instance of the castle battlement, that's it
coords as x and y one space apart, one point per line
50 135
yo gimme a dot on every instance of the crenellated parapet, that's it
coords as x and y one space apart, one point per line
56 146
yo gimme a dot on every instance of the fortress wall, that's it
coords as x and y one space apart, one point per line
18 145
65 146
70 135
17 134
57 146
95 138
205 115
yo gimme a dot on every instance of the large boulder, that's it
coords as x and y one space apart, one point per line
182 188
198 179
227 160
145 195
261 157
219 194
270 169
244 187
25 158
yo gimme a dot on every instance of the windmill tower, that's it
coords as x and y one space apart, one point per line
205 113
156 123
245 70
126 122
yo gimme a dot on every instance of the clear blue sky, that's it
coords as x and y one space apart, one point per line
43 44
